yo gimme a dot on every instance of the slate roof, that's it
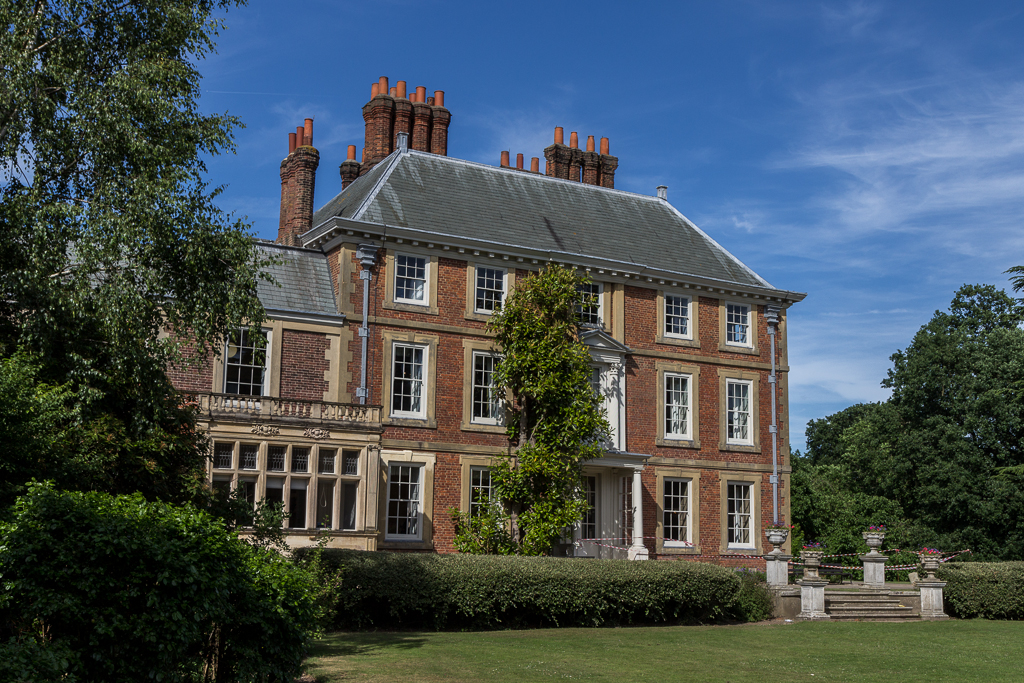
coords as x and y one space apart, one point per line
506 206
305 281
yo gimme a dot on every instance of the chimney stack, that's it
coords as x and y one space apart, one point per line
349 168
298 178
519 161
534 165
504 159
573 163
394 110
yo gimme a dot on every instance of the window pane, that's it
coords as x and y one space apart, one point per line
403 500
588 526
326 465
275 490
351 463
738 411
275 458
247 491
739 514
485 403
480 490
407 382
410 278
297 504
590 306
737 324
676 509
677 316
625 511
244 364
348 511
677 405
250 454
324 504
490 289
223 455
300 459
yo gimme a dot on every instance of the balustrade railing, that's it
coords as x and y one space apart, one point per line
267 408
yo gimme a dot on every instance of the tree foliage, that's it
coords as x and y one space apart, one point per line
115 588
111 233
941 461
554 419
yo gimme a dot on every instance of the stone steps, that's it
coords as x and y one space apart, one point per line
867 607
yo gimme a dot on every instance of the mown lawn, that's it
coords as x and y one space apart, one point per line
769 652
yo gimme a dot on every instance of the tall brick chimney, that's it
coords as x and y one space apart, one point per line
298 177
572 163
390 111
349 168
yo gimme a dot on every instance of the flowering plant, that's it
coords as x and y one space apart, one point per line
929 551
814 545
877 527
779 525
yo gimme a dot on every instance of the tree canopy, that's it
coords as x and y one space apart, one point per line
554 419
112 235
940 462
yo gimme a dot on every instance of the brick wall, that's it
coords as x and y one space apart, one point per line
194 376
303 364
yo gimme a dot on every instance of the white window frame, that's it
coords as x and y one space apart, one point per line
420 470
687 527
667 298
688 434
590 522
496 407
425 301
747 326
598 303
733 518
476 288
421 414
265 385
730 412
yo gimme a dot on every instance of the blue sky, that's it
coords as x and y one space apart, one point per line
870 154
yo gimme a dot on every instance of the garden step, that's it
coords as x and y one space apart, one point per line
867 606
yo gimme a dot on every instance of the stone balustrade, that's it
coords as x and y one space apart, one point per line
351 415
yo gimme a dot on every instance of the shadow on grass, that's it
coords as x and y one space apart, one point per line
347 644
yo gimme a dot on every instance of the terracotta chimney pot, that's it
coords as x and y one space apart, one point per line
504 158
574 140
351 153
559 135
393 92
519 161
439 98
421 93
291 142
308 132
590 143
300 136
534 165
604 146
374 91
430 101
382 85
401 88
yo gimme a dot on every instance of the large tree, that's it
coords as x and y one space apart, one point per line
555 422
942 459
111 237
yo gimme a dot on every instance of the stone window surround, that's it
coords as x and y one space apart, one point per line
662 473
754 479
470 346
429 307
427 462
754 378
471 266
603 305
262 473
271 376
430 342
466 464
693 339
751 349
681 369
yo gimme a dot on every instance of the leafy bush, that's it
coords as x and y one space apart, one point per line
991 590
398 590
115 588
753 600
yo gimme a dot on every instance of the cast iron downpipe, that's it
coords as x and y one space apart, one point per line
367 254
771 316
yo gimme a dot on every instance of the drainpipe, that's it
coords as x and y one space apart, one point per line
367 254
771 316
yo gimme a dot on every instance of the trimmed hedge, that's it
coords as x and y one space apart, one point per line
991 590
427 591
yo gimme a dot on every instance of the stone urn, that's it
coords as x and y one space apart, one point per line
812 560
930 564
874 540
777 537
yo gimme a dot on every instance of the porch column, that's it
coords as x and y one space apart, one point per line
638 551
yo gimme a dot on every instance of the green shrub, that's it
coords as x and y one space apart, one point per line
991 590
115 588
405 590
754 601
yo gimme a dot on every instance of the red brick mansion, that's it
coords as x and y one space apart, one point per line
369 415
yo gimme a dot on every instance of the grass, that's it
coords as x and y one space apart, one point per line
954 650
